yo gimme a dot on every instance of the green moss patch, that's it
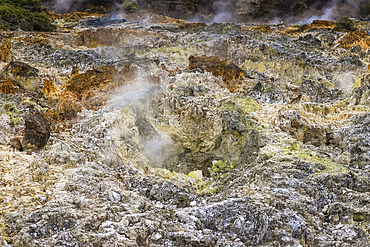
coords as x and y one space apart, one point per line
288 149
219 167
24 14
13 113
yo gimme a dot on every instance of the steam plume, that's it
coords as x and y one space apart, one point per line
329 12
223 13
60 6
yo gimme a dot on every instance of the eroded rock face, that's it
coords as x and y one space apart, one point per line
108 37
5 50
217 67
301 128
353 38
353 141
318 92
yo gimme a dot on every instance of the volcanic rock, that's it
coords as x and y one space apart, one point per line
357 37
217 67
260 138
7 86
109 37
25 75
37 131
5 48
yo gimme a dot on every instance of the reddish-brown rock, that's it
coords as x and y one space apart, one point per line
48 88
90 90
36 132
217 67
7 86
5 47
191 25
356 38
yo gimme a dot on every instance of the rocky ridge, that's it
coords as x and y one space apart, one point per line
157 132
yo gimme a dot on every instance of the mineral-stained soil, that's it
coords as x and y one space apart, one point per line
163 133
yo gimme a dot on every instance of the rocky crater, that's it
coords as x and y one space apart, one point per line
155 131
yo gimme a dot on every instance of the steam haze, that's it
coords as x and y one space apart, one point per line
274 12
59 6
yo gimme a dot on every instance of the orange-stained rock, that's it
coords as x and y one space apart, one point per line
161 19
35 38
70 17
171 72
217 67
321 24
7 86
104 79
108 36
48 88
303 28
90 90
356 38
191 25
263 29
68 107
5 47
151 17
75 70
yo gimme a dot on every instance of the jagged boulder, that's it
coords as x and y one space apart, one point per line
37 131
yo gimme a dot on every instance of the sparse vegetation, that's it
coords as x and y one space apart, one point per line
24 14
345 24
130 5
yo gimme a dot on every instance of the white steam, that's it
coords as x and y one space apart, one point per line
344 81
137 91
222 17
328 13
223 13
61 6
136 95
156 148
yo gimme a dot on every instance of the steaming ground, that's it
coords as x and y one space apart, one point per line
224 11
137 96
60 6
236 11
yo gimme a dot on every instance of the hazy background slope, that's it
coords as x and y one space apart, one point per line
228 10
